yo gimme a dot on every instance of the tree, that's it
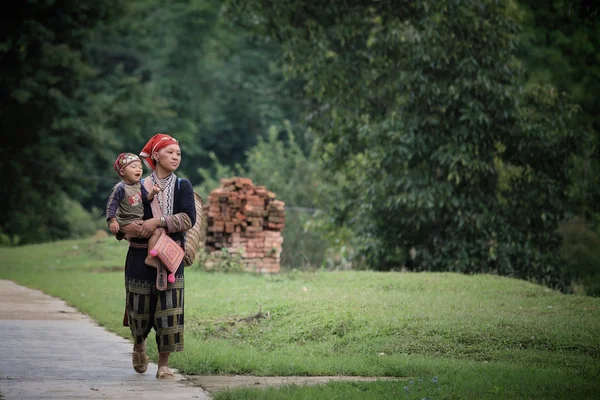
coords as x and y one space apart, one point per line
48 113
424 95
101 78
224 88
559 46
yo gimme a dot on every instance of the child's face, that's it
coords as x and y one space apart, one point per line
132 172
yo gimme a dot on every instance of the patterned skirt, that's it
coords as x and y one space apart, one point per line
148 308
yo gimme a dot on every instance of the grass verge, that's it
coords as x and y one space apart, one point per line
451 336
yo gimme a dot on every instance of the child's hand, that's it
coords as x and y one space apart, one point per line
156 189
113 225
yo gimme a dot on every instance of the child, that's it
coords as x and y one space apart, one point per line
125 206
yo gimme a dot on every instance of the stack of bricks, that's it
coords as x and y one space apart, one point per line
247 220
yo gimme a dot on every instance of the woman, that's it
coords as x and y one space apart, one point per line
146 306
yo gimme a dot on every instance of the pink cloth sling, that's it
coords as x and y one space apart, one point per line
169 253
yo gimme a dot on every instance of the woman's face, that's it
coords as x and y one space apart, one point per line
168 157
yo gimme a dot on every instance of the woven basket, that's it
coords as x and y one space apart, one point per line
195 238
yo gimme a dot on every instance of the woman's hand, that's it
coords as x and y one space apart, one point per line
149 226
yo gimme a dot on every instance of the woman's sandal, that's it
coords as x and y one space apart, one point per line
164 373
140 361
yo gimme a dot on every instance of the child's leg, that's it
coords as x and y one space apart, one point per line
153 239
152 261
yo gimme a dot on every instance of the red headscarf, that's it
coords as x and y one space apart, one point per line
157 142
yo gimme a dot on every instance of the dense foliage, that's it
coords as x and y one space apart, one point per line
445 127
559 45
83 82
428 93
51 117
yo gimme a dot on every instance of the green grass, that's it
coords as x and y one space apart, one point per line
480 336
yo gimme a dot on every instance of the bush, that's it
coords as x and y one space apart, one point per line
303 246
211 177
581 248
224 261
7 240
82 223
297 179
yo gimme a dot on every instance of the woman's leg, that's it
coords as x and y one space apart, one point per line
163 359
168 323
139 358
150 308
140 303
164 372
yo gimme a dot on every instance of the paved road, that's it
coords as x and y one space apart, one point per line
43 355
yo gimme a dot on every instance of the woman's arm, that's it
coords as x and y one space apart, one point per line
149 226
186 218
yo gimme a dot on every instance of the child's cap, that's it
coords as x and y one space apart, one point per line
124 160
